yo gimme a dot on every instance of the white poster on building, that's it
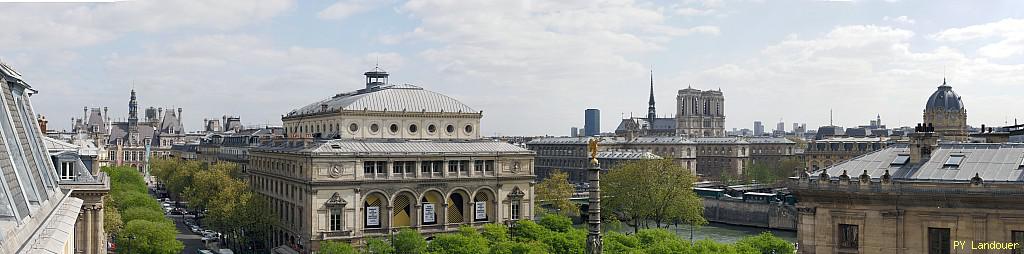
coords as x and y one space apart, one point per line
428 213
373 216
481 211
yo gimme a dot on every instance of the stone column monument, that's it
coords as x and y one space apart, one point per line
594 212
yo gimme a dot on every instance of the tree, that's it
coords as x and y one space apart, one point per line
141 236
660 191
766 243
378 246
556 191
335 247
143 213
112 222
466 241
409 241
556 223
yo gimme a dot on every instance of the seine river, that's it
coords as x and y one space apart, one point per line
724 233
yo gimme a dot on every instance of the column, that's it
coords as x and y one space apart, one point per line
90 227
418 168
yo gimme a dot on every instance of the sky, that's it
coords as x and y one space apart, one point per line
532 67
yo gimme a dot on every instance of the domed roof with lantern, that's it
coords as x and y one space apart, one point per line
944 99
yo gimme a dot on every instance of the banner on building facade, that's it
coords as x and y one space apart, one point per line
428 213
481 211
373 216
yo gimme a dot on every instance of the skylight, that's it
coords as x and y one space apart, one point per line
954 161
900 160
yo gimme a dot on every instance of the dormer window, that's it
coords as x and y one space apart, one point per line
900 160
953 161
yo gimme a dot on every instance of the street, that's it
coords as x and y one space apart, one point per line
191 240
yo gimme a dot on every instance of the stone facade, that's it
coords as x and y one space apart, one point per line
369 162
700 113
824 153
920 197
721 156
570 154
126 143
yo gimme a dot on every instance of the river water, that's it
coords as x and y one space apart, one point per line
723 233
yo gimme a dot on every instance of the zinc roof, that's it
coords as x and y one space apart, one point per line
393 98
991 162
397 146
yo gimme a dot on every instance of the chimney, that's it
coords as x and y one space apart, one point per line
42 123
105 116
922 142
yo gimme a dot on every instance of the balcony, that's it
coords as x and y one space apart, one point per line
327 235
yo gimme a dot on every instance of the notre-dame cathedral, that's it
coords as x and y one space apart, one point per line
700 113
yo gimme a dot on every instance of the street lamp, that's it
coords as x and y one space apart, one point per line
391 232
510 224
130 238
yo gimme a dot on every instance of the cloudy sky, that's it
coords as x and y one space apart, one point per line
531 66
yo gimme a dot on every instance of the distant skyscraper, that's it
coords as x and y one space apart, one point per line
592 122
781 127
574 132
796 127
758 128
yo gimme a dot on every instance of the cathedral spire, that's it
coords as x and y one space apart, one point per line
651 114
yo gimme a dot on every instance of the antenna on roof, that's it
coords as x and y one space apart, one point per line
830 118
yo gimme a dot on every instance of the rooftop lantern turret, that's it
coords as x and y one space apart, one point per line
376 78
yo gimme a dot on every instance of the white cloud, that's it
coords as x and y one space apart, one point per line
506 57
1009 34
345 8
900 20
857 71
689 11
63 25
219 74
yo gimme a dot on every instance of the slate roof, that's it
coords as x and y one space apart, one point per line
769 140
9 71
170 124
716 140
388 98
635 123
627 155
382 146
54 145
120 130
991 162
944 99
610 140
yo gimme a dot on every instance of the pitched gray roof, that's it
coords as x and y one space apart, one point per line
627 155
768 140
610 140
720 140
991 162
353 146
388 98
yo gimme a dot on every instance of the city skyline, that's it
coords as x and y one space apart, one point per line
255 59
